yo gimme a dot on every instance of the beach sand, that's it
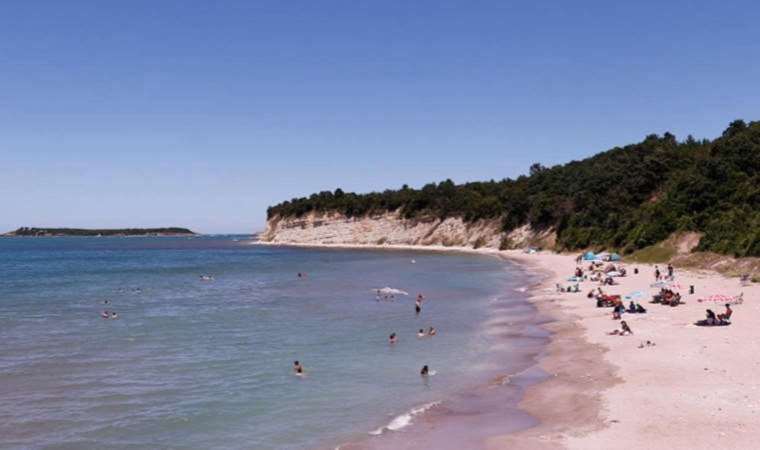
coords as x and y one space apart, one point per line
694 389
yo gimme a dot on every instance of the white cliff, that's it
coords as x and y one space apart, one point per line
392 229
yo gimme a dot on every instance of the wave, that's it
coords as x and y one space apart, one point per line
404 420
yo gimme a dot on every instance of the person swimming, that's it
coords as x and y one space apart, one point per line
421 333
105 314
432 331
297 368
425 371
392 338
114 316
417 308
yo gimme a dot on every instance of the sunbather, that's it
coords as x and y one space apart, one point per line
726 315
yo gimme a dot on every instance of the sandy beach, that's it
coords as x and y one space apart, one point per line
693 389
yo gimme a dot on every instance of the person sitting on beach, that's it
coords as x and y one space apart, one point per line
625 330
710 315
578 272
432 331
425 371
421 333
297 368
392 338
631 307
640 309
726 315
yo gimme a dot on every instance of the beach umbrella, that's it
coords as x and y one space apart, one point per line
722 298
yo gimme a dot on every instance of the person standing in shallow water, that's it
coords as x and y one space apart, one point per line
418 304
297 368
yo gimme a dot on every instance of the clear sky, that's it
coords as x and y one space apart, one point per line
202 114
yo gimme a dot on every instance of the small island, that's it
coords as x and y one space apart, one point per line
47 232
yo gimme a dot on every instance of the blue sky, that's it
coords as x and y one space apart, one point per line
202 114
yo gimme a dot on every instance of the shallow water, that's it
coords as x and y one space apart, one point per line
201 364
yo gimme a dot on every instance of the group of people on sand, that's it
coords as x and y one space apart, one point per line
712 319
658 276
667 297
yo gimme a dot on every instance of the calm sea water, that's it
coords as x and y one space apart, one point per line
207 364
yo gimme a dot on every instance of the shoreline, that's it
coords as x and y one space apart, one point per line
695 388
559 402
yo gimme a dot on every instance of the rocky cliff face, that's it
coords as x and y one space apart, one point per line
392 229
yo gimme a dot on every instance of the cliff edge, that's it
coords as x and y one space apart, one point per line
392 229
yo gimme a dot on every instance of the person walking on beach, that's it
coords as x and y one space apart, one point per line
670 271
656 273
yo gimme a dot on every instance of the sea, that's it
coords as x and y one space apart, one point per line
200 352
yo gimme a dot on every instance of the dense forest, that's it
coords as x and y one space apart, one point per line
27 231
625 198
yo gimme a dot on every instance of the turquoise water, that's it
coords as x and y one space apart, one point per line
207 364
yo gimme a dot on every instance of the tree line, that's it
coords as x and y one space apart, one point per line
625 198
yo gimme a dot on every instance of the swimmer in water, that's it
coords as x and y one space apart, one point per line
425 371
432 331
392 338
297 368
114 316
421 333
417 307
105 314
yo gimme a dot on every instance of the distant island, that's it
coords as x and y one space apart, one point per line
40 232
